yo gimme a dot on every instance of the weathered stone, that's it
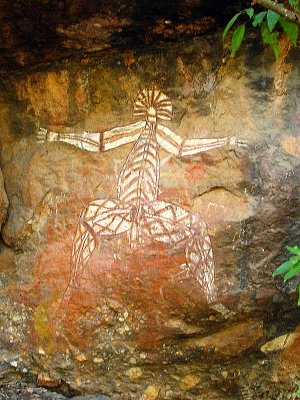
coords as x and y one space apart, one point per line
41 351
48 381
289 358
90 397
134 373
224 374
279 343
182 327
98 360
80 357
169 394
23 391
230 341
188 382
151 393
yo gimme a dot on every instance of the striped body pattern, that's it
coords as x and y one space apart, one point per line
139 178
136 209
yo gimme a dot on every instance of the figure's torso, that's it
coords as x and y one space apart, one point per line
138 180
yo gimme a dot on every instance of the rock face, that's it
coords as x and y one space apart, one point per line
42 31
3 200
134 324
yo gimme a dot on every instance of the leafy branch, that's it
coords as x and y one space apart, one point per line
289 270
271 22
279 8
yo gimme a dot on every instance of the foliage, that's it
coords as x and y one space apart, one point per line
271 24
291 267
295 4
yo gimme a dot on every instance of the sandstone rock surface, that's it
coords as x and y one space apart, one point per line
3 200
135 325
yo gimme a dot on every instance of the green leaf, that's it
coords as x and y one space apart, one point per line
229 25
295 4
258 18
294 259
293 249
291 29
237 38
250 12
283 268
269 37
292 272
272 18
275 48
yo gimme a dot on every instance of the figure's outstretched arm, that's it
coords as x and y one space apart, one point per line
180 147
95 141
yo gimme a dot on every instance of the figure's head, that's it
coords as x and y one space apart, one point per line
153 105
151 115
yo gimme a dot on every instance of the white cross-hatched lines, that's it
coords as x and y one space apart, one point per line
136 210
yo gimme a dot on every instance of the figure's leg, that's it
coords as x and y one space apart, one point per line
199 254
99 218
171 224
104 217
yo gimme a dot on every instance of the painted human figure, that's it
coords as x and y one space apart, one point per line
136 209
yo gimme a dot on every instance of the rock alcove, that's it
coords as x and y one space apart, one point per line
136 324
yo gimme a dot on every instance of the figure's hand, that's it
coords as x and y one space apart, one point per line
236 142
242 143
41 135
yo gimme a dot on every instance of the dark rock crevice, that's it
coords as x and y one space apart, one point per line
35 32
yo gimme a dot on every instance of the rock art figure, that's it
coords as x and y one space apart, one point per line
136 209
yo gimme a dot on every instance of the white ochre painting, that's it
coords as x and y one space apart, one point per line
136 210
